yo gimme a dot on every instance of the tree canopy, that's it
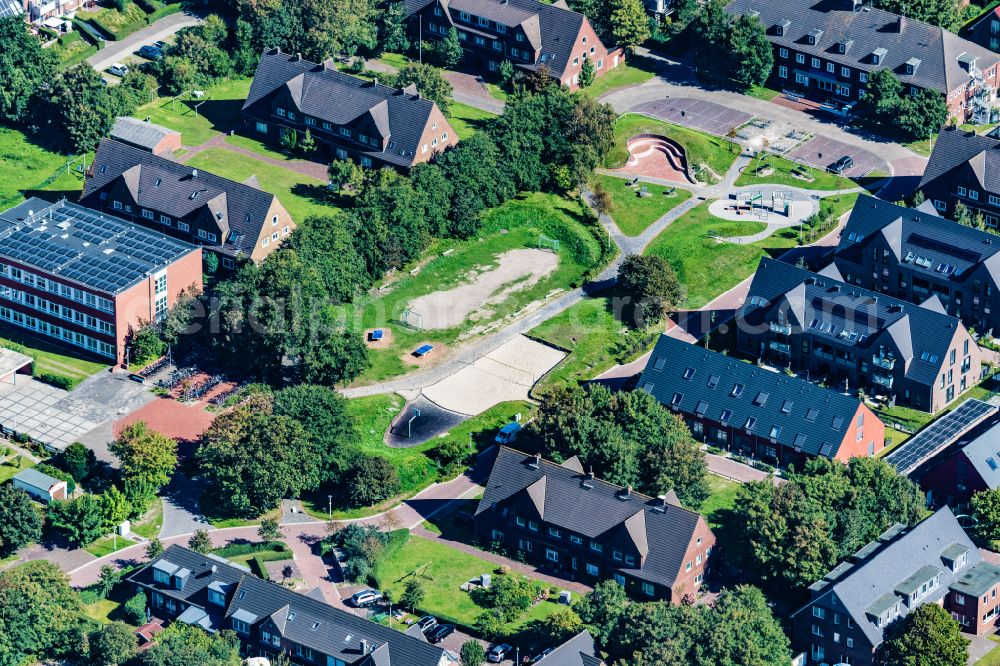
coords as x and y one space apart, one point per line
928 636
24 67
731 49
20 521
627 437
40 615
183 645
148 460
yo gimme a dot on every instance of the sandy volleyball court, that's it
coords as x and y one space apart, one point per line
516 270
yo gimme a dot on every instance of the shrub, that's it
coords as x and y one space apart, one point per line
58 381
237 549
135 609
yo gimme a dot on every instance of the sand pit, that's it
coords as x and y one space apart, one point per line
506 373
516 270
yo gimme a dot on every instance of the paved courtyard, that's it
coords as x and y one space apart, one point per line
38 410
696 113
821 152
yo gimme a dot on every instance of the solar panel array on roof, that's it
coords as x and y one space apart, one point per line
940 434
100 252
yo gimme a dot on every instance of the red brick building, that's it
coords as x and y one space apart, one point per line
527 33
586 529
86 279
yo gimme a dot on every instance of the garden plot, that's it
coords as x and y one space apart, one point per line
516 270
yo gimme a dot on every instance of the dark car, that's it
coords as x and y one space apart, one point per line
162 45
440 632
427 623
151 52
842 165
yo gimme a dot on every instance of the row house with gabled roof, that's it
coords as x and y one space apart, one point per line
587 529
826 50
851 338
349 118
528 33
963 168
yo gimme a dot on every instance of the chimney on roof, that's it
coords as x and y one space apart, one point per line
194 173
364 646
215 568
900 23
538 458
297 57
590 473
627 493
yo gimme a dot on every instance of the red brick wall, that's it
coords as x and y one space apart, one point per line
437 126
685 582
943 480
973 609
872 430
580 47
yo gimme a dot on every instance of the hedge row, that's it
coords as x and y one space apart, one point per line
154 12
166 10
237 549
89 32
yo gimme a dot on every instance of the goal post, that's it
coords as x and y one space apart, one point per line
546 243
412 319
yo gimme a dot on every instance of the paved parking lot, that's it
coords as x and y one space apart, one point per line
821 152
695 113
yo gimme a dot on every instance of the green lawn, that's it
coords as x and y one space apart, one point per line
256 146
27 166
721 499
106 610
49 358
151 523
633 213
114 20
716 153
107 545
515 225
707 268
300 194
760 92
397 60
992 658
417 470
623 76
9 469
782 170
446 569
589 331
70 48
218 111
466 119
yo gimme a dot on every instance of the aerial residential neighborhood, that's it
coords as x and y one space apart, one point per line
464 332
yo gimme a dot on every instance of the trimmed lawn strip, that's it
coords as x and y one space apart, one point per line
48 357
255 145
760 92
782 175
289 186
218 111
8 469
107 545
721 498
718 153
465 119
443 570
151 523
632 213
623 76
523 219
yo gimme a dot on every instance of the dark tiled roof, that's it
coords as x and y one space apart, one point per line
139 133
929 243
556 27
937 49
813 419
326 629
983 453
577 651
95 250
600 509
871 578
302 618
163 185
340 99
955 148
830 309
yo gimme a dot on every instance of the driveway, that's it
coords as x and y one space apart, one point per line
181 514
166 27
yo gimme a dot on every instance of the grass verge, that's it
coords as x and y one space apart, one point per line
632 73
29 168
465 119
49 358
782 173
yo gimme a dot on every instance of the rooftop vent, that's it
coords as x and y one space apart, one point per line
194 173
537 461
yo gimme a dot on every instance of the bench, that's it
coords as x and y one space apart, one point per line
375 335
423 350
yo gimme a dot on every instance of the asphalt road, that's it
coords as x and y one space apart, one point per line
161 30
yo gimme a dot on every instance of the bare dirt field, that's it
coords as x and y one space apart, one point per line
515 270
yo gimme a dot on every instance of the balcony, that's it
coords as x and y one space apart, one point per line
882 380
780 347
782 329
825 355
846 362
884 362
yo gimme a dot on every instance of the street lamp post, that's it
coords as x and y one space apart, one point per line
329 506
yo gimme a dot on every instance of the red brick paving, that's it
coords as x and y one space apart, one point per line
173 419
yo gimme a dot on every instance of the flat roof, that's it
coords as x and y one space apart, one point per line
77 244
12 361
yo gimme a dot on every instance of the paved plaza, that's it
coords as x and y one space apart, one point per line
696 113
36 409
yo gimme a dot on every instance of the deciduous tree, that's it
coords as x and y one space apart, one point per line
183 645
40 615
928 636
148 460
628 22
472 653
373 479
81 519
448 51
651 284
200 542
114 643
20 521
601 608
24 67
429 81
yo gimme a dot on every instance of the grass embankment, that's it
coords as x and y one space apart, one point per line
633 213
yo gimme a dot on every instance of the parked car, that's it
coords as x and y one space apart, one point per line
364 598
538 657
498 653
160 44
151 52
508 433
118 69
440 632
842 165
427 623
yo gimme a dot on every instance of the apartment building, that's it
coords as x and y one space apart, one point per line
236 221
86 279
588 529
931 562
851 338
528 33
922 258
349 118
755 412
962 169
827 50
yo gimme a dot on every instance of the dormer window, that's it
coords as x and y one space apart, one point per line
501 28
844 46
483 21
814 36
781 29
911 66
464 16
878 55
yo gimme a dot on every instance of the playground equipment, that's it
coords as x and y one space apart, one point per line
755 203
